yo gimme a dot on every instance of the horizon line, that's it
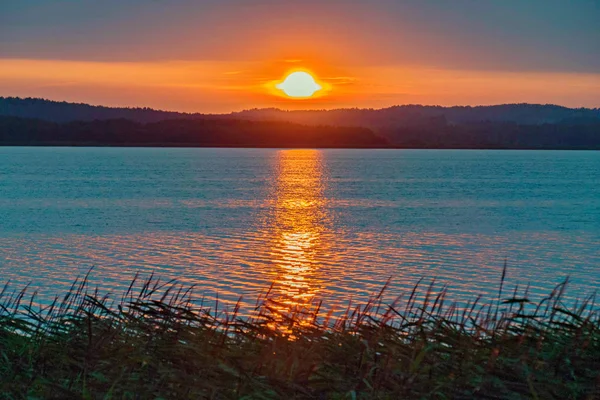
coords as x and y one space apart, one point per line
295 110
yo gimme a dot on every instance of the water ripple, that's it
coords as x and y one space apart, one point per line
304 222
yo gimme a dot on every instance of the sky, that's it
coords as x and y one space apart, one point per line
219 56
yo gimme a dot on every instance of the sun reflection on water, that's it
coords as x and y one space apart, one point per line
316 224
299 231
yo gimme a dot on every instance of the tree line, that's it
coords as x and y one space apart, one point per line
242 133
183 132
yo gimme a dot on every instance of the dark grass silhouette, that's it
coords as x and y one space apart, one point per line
154 343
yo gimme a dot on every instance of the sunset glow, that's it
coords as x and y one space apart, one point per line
366 55
221 87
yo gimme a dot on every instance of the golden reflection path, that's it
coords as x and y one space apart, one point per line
300 236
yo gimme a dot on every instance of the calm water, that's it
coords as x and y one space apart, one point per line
331 224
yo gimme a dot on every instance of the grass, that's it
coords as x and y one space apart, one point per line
153 343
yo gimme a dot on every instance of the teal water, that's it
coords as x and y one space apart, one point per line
330 224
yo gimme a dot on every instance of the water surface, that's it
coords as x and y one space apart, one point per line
330 224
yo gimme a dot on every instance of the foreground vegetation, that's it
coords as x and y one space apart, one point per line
154 343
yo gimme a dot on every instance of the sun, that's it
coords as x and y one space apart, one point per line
299 84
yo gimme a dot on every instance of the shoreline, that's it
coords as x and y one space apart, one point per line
199 146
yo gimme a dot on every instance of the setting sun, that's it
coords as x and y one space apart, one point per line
299 84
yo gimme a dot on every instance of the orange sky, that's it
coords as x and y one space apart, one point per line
223 86
220 56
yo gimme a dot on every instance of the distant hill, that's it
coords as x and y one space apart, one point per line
510 126
418 115
277 134
385 118
61 111
183 133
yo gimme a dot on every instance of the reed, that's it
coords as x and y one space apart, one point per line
154 342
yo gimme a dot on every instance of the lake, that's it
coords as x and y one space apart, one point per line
325 224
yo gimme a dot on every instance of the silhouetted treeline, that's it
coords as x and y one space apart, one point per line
418 115
498 135
196 133
240 133
385 118
412 126
62 111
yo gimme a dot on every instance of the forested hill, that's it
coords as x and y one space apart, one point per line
392 117
512 126
240 133
417 115
62 111
183 133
